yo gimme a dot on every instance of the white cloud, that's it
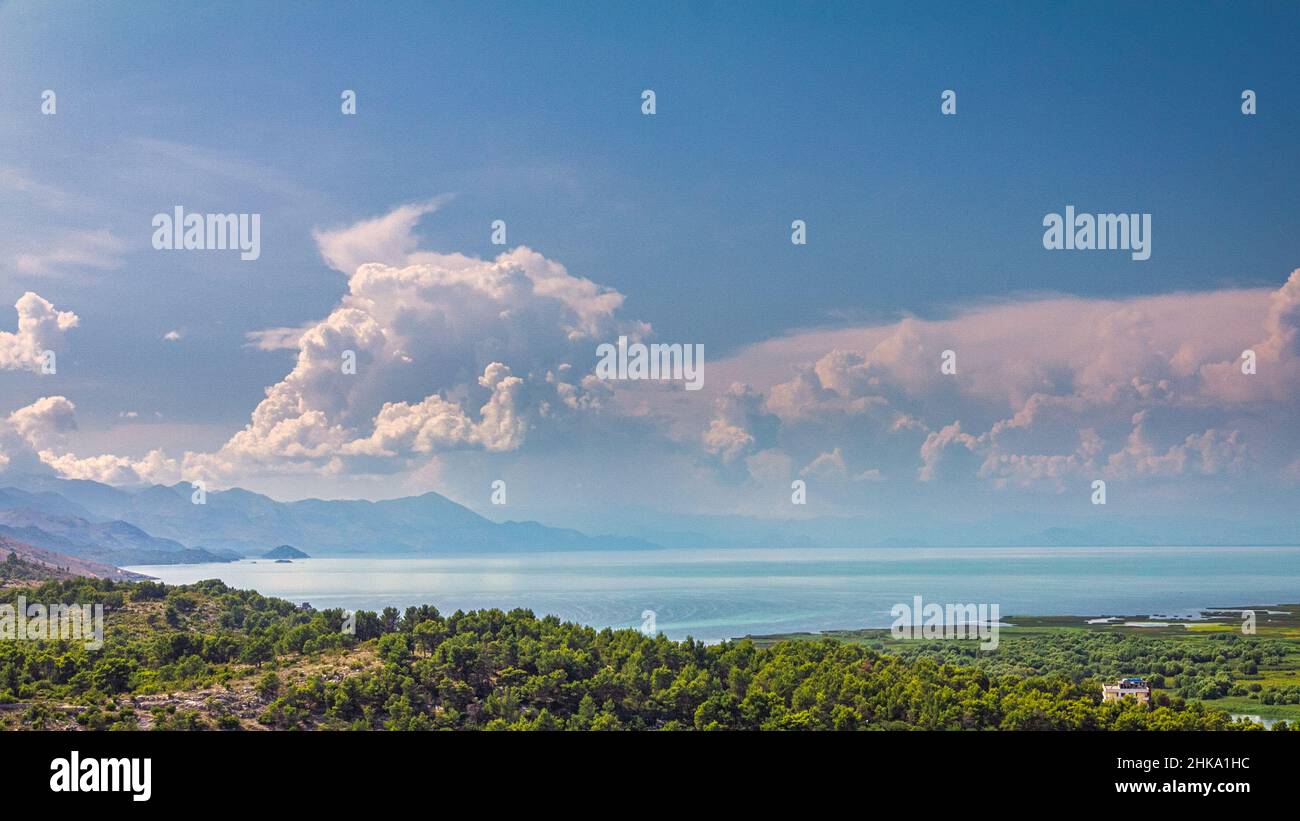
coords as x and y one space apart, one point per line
276 339
44 196
936 443
828 465
1045 390
1209 452
46 421
770 465
435 424
486 346
100 250
388 239
155 467
727 441
33 439
40 328
1277 376
456 353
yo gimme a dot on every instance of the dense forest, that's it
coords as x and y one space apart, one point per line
1206 667
205 656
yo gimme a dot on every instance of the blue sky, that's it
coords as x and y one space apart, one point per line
766 113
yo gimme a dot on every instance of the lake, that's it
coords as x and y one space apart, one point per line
716 594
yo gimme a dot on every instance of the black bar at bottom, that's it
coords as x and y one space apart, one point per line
328 771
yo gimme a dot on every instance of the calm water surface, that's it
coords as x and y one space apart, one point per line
717 594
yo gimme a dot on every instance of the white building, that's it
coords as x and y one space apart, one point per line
1126 688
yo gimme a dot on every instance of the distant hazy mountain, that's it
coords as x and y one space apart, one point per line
1018 528
44 501
245 522
112 543
285 551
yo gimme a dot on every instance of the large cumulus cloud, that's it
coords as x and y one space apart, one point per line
450 351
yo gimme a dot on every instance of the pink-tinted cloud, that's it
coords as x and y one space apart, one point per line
1051 389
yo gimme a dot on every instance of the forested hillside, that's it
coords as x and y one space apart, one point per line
205 656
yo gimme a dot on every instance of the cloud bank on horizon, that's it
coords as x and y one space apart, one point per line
458 357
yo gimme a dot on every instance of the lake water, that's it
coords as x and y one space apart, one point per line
1267 722
718 594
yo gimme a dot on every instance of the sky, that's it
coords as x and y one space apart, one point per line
822 360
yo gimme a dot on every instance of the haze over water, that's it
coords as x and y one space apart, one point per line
717 594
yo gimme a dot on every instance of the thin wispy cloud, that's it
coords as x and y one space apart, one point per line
74 252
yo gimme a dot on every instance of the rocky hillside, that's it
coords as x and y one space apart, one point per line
29 564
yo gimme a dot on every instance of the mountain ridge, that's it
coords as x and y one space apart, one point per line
243 522
60 565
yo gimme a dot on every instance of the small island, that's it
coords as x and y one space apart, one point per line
285 551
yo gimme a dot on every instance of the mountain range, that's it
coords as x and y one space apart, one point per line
159 524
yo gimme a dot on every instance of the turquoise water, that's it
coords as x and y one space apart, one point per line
717 594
